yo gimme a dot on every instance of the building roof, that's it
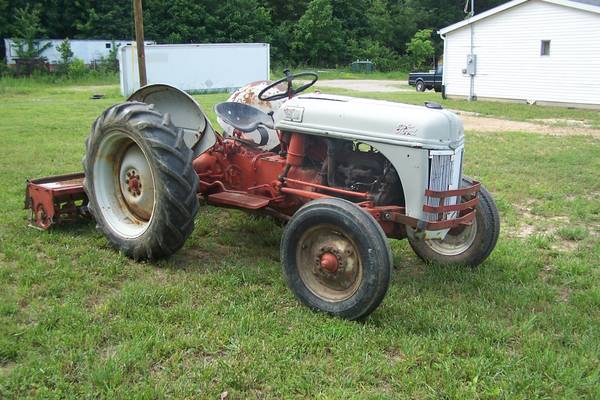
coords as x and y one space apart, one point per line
591 2
586 5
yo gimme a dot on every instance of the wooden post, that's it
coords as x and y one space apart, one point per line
139 38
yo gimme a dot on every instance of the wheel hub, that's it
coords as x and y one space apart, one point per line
329 263
136 183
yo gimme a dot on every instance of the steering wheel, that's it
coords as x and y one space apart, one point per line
291 92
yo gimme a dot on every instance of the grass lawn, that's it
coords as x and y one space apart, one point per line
78 320
344 73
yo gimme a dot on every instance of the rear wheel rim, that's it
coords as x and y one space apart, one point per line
329 263
124 185
455 243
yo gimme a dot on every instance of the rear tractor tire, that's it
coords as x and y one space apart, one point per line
468 245
336 258
140 181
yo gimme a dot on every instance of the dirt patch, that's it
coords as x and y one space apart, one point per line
564 245
564 122
200 259
540 225
92 88
529 227
6 369
545 273
473 122
563 294
395 355
367 85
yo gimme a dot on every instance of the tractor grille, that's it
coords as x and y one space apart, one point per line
444 174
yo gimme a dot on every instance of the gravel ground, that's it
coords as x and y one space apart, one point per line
487 124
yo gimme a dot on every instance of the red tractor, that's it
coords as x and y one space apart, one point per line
345 173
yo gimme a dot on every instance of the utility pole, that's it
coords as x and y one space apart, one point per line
139 39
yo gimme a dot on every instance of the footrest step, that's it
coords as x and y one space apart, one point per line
241 200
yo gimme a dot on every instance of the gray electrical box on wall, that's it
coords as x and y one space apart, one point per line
471 64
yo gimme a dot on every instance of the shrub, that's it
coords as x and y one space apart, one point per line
4 70
77 68
384 58
110 63
66 56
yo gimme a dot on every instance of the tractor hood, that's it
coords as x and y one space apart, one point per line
379 121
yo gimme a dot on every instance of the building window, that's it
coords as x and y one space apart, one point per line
108 45
545 48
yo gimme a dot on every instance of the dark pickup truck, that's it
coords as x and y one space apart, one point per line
426 80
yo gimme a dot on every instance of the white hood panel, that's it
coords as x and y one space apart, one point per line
371 120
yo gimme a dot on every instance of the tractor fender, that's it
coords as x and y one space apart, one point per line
184 111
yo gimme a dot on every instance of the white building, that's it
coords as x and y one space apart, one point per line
542 51
86 50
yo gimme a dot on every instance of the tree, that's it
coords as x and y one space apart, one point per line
239 21
317 36
26 31
107 20
380 23
4 12
420 48
320 32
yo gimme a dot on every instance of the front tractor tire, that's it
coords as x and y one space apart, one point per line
336 258
140 181
468 245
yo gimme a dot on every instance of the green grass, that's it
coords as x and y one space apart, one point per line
78 320
574 233
344 73
42 82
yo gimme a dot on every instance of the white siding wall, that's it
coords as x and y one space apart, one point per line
509 64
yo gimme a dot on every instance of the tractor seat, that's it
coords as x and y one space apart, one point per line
242 116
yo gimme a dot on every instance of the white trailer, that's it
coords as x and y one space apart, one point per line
196 67
86 50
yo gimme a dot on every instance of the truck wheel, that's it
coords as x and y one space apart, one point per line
336 258
140 181
420 86
468 245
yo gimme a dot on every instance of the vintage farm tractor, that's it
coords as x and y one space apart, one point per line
345 173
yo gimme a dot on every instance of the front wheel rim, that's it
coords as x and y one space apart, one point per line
124 185
455 243
329 263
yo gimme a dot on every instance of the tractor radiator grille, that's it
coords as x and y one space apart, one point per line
444 174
